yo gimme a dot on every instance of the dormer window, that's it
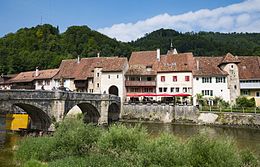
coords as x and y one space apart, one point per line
148 68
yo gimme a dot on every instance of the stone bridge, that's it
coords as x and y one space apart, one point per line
46 107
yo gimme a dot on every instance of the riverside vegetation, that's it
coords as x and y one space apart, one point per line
77 144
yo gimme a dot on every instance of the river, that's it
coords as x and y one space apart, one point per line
244 138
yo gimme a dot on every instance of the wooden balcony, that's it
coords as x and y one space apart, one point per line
140 83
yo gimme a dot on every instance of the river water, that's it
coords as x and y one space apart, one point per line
244 138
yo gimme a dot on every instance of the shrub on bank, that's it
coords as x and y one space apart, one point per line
76 144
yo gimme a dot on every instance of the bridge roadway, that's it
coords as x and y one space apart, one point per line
47 107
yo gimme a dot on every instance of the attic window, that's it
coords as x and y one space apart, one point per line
148 68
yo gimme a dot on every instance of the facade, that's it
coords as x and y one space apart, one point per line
216 77
141 76
249 75
94 75
38 79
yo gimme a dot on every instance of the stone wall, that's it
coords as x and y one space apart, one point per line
186 114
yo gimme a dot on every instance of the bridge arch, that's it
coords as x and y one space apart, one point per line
113 90
113 112
38 118
89 111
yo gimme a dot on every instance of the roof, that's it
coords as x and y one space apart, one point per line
84 69
176 62
249 68
5 79
208 66
30 75
140 70
229 58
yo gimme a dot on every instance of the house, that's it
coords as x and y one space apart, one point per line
174 77
141 76
249 76
5 81
216 77
94 75
38 79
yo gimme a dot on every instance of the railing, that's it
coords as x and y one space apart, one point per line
230 109
249 85
140 83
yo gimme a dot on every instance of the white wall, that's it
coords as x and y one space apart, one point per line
219 89
169 81
117 79
48 84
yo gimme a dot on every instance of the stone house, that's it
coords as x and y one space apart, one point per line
94 75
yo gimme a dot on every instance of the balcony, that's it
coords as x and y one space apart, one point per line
140 83
250 85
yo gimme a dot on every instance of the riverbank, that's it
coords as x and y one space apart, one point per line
187 115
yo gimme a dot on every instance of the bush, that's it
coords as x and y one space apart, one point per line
34 163
242 101
202 151
120 138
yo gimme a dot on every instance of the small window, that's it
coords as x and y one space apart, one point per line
184 90
257 94
160 89
177 90
108 76
232 66
98 85
235 86
172 89
187 78
162 78
98 74
245 92
174 78
164 89
117 76
197 78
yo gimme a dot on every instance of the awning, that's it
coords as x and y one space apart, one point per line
140 94
182 94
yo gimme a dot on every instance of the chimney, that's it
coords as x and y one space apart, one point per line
37 71
198 64
78 60
98 54
158 55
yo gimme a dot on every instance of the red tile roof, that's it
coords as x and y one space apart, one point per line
176 62
229 58
84 69
208 66
249 68
30 75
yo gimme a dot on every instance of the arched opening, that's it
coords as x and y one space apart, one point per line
38 119
113 113
113 90
90 112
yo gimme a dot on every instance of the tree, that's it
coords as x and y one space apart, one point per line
242 101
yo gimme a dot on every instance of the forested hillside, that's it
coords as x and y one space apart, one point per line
44 46
202 43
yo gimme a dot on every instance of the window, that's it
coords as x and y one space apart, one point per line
197 78
177 90
172 89
174 78
232 66
117 76
207 92
164 89
206 79
162 78
48 82
98 85
220 80
187 78
98 74
189 89
108 76
235 86
148 89
245 92
184 90
160 89
257 94
40 82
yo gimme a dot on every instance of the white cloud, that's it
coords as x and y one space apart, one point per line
240 17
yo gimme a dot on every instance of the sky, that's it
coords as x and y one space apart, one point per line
128 20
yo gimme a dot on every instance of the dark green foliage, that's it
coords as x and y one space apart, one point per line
34 163
75 144
242 101
44 47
